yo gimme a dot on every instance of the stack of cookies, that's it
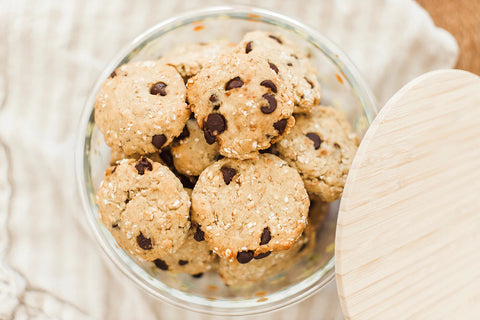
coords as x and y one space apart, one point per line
219 153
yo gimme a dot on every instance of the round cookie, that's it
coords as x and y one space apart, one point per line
321 147
246 208
190 151
291 65
116 155
141 107
234 273
192 257
240 101
145 208
190 58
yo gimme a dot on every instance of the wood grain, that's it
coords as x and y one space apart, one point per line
462 19
408 233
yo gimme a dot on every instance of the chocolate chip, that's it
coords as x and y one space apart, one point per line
113 74
273 67
208 137
215 123
127 201
144 243
245 256
228 174
192 115
162 265
315 138
142 165
280 125
289 64
262 255
248 47
198 275
159 89
302 247
309 82
167 157
185 133
159 140
265 237
182 262
234 83
275 38
115 225
199 235
214 100
269 84
272 103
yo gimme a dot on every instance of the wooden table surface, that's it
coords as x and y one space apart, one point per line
462 19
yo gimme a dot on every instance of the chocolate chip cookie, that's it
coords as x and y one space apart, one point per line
190 58
321 147
141 107
289 63
268 264
247 208
145 207
192 257
241 102
116 155
191 152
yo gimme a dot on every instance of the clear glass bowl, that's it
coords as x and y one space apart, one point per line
342 87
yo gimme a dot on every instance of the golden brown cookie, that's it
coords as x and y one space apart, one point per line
321 147
145 208
141 107
190 58
241 102
290 64
192 257
244 208
234 273
190 151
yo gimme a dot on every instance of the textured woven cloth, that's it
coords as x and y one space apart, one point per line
51 52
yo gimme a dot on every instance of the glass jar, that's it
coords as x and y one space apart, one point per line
342 87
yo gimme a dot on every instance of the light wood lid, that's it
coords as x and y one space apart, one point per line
408 234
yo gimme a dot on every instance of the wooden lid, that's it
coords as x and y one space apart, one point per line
408 233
